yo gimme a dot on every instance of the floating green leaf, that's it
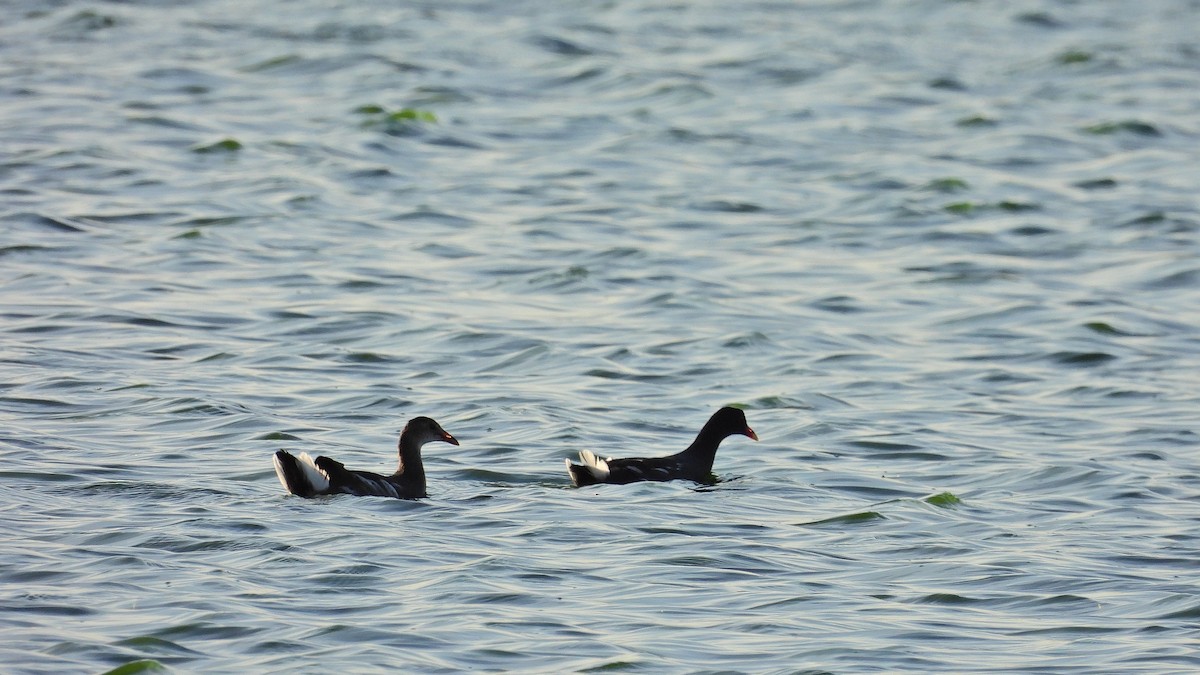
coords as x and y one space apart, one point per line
275 62
1083 358
976 121
848 519
1041 19
1127 126
612 667
942 499
400 121
967 208
1152 218
1096 184
1104 328
19 248
1008 205
947 185
412 114
1074 56
223 145
947 599
948 83
139 666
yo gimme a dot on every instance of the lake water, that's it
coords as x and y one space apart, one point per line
943 253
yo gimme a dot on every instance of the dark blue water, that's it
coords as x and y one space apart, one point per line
943 253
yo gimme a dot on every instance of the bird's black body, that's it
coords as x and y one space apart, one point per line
694 464
307 477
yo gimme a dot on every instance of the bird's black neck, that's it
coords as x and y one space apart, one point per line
411 470
704 448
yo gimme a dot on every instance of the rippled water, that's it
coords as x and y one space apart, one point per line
944 253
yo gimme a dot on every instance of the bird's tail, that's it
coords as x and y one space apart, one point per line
299 474
593 470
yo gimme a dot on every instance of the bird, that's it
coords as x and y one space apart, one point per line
304 476
694 463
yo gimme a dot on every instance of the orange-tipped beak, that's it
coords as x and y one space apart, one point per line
450 439
750 432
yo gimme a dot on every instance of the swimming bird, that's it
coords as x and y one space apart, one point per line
694 463
307 477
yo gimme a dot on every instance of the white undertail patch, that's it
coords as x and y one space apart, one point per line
598 467
316 477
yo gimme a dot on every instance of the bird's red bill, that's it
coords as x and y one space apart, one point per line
750 432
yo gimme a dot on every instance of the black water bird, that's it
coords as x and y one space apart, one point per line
307 477
694 463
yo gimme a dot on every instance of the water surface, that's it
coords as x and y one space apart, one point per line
944 254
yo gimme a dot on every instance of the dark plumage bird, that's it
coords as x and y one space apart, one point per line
307 477
693 464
